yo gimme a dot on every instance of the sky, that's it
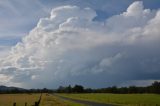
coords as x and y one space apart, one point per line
94 43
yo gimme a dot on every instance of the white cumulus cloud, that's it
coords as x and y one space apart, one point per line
70 47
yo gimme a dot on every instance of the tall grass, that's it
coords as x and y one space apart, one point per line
30 99
20 99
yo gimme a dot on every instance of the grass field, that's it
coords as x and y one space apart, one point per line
20 99
122 99
50 100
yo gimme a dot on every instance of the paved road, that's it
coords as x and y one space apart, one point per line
89 103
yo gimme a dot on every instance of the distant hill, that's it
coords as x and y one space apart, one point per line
9 90
5 88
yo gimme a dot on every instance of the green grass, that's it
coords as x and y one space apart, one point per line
73 103
121 99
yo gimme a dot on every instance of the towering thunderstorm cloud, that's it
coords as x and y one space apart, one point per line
71 47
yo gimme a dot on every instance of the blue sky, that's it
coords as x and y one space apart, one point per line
79 41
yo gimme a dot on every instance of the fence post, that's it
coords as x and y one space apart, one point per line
14 104
25 103
36 103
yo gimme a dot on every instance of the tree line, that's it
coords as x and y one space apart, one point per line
153 88
29 91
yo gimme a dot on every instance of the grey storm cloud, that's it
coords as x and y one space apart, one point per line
69 47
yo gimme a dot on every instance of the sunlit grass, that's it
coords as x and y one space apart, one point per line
20 99
30 99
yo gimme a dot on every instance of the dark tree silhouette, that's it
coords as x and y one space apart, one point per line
78 89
